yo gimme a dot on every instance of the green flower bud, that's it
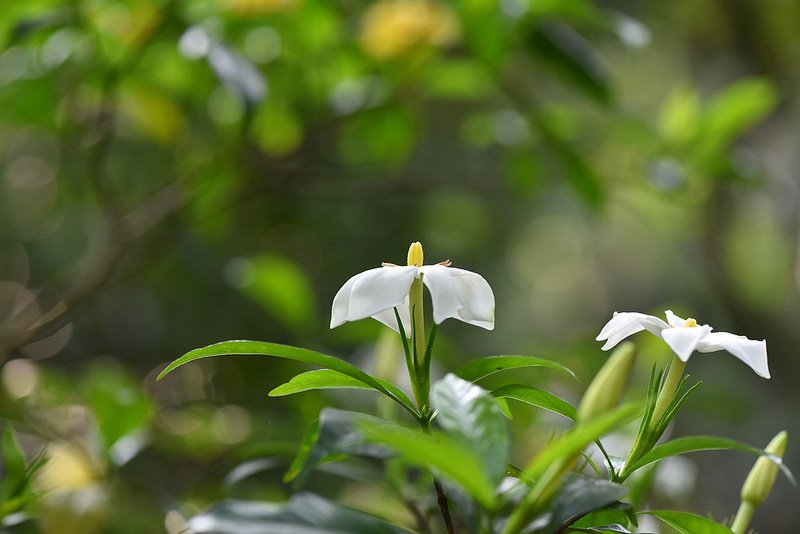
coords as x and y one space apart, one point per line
759 482
608 385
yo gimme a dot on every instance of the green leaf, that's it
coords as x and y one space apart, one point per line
489 365
264 348
14 478
575 440
471 416
686 523
336 432
122 411
278 284
319 379
440 454
537 397
704 443
605 529
573 57
736 108
305 512
579 496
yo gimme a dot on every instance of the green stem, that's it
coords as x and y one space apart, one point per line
743 517
418 334
667 392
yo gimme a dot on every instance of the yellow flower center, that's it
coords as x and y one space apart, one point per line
690 323
415 254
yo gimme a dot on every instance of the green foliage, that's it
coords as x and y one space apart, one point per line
305 512
334 435
471 417
442 454
488 365
686 523
537 397
262 348
16 491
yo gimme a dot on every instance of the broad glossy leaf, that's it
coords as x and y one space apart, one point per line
305 513
687 523
336 432
704 443
264 348
581 495
319 379
440 454
471 416
489 365
537 397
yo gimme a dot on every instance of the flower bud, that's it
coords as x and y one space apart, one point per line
415 254
761 478
608 385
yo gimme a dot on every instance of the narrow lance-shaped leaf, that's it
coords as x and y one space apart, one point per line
704 443
537 397
264 348
489 365
686 523
318 379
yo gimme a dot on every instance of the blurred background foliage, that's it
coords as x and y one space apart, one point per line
179 172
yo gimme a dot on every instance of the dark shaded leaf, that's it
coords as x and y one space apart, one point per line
573 57
305 513
579 496
336 432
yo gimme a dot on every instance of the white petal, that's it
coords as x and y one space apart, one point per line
750 351
459 294
683 341
388 318
371 292
624 324
673 319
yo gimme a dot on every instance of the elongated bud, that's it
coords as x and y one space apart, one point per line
608 385
415 254
759 482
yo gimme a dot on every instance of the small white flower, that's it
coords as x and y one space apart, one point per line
455 293
684 336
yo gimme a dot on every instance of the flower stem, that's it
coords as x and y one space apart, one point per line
441 496
418 334
743 517
667 392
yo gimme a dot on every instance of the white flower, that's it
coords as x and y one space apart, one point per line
684 336
455 293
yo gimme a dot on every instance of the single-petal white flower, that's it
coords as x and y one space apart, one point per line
684 336
455 293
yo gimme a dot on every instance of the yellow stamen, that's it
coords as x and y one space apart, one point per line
415 255
690 323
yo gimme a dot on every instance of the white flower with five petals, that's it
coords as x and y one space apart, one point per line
455 293
684 336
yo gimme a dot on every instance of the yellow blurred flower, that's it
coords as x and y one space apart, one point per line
393 28
254 8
